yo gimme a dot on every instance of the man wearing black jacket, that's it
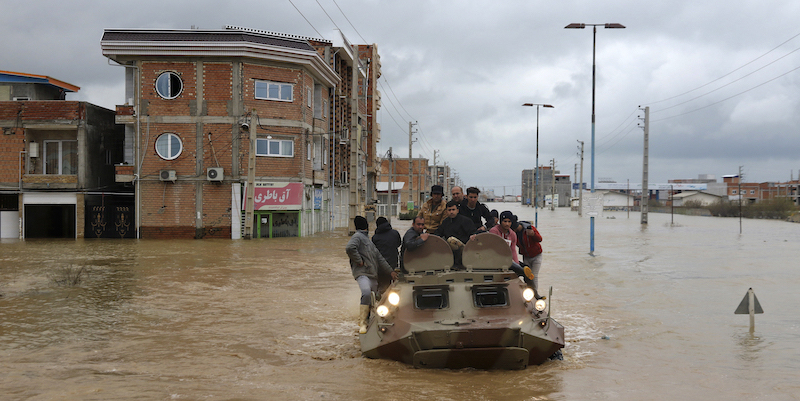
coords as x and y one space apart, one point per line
475 210
456 229
387 240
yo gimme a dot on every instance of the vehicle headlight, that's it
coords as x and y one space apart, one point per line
540 305
527 294
382 311
394 298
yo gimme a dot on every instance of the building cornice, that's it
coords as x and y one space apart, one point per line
124 44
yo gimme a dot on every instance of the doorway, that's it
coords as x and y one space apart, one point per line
49 221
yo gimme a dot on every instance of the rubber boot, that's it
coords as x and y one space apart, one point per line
363 314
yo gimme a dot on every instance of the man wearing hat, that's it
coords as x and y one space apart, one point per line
365 260
434 209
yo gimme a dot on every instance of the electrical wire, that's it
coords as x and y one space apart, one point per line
304 17
737 69
348 21
729 97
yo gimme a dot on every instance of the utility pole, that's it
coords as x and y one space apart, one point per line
553 184
391 181
645 189
741 176
575 174
435 169
410 162
249 203
580 186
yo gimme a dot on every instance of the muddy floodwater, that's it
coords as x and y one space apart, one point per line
649 317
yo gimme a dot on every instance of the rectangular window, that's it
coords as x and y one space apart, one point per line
734 192
61 157
317 153
308 96
489 295
752 191
317 101
274 91
436 297
274 147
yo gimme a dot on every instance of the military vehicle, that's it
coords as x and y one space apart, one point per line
481 316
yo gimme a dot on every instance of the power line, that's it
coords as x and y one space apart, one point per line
729 83
737 69
304 17
398 100
348 21
730 97
329 17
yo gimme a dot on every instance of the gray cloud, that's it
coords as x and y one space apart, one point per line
463 69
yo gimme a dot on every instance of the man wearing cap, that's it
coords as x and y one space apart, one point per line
387 240
434 209
365 260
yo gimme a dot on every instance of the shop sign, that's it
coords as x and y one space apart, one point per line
276 196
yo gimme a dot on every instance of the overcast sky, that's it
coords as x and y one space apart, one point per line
719 76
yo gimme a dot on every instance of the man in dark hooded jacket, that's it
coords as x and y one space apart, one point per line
387 240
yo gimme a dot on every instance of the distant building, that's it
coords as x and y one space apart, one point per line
704 198
563 186
57 157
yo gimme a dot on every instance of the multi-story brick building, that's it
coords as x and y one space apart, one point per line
210 112
57 163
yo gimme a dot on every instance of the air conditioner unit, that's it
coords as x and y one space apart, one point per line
215 173
167 175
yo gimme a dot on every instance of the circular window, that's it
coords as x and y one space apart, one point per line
169 85
169 146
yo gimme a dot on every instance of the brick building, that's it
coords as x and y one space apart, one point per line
398 169
57 163
209 111
752 192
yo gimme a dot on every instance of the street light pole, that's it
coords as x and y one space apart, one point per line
594 47
536 177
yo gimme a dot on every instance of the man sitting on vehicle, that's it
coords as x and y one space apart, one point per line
413 239
434 209
457 229
475 210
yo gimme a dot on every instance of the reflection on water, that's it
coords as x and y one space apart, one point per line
269 319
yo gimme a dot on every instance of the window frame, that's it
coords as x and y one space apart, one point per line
282 143
443 291
60 153
478 290
169 146
281 90
169 82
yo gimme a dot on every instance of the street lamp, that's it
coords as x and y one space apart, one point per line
594 47
536 182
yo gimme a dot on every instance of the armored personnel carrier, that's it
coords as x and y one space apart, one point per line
482 316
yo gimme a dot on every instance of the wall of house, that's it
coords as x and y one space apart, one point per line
216 97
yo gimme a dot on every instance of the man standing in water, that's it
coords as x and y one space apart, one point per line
365 260
387 240
530 248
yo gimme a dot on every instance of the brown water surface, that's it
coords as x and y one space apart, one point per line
649 317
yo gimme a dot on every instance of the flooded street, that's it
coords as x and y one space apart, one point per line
650 317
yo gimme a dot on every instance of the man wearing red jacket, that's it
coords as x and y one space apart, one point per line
530 248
